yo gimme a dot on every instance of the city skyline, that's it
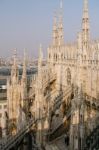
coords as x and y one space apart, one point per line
27 24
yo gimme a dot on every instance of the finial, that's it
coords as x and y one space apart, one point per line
24 64
40 46
60 25
15 56
14 71
85 26
25 54
85 5
15 52
55 17
61 4
40 61
61 8
85 9
40 52
55 22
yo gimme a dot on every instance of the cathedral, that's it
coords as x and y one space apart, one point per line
63 96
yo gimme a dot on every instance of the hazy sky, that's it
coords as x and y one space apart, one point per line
27 23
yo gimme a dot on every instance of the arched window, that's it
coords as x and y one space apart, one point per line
49 55
56 57
96 56
68 77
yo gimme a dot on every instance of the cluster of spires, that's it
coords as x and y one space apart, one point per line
58 36
15 72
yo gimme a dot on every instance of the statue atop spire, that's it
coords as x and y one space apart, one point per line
60 25
85 5
55 32
14 71
15 57
61 4
40 54
85 26
58 37
24 65
24 81
40 59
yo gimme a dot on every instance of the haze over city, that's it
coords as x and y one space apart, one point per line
26 24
